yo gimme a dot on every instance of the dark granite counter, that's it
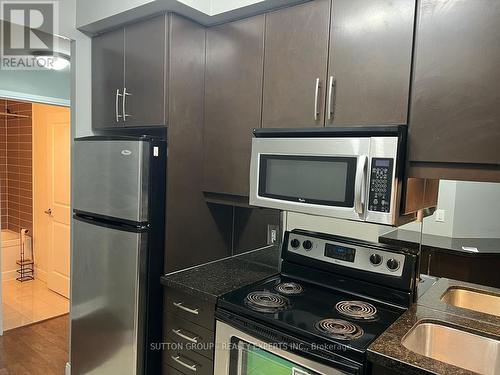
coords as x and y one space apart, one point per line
389 352
463 246
214 279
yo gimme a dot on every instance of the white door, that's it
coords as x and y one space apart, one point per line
59 159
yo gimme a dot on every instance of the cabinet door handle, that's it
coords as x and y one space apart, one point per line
193 339
117 96
177 358
359 194
316 100
180 305
125 94
331 89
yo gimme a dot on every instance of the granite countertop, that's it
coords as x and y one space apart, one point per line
388 351
432 299
214 279
463 246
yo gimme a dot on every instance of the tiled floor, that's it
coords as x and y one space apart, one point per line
29 302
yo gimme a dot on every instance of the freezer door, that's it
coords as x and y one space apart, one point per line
112 177
107 300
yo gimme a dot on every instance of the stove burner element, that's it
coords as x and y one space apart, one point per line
339 329
266 302
289 288
357 310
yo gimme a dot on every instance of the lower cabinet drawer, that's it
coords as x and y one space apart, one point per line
167 370
190 308
189 335
188 362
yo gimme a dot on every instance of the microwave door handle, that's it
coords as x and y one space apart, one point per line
359 187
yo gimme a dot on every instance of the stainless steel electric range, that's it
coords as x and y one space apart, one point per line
333 298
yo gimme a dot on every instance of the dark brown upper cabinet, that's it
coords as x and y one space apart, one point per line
233 96
369 62
455 108
337 63
295 66
129 74
107 78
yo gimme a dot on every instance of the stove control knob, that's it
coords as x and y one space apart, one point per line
307 245
393 264
295 243
375 259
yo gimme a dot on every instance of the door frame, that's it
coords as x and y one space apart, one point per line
33 100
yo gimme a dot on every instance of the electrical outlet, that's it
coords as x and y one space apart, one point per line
440 216
272 234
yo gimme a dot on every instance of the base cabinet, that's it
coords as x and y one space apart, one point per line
188 334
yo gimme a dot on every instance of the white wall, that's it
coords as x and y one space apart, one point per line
222 6
80 68
477 210
90 11
364 231
47 86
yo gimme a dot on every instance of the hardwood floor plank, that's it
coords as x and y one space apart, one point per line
37 349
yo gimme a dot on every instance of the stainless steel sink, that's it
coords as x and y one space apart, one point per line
459 348
473 300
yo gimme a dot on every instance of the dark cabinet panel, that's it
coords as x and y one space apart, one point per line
455 111
370 62
233 96
196 231
107 78
295 66
129 76
145 72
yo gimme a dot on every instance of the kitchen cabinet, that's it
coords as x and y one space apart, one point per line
369 62
129 76
107 77
233 96
188 320
295 65
454 129
338 63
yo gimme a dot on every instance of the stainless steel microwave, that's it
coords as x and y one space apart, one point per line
347 173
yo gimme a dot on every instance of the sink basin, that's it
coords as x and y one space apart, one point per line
473 300
459 348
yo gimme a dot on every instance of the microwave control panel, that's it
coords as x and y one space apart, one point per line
381 185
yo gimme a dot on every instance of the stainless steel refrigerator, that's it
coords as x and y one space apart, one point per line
118 249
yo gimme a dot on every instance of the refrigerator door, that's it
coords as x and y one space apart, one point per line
112 178
107 300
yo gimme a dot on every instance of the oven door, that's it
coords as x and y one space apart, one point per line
318 176
238 353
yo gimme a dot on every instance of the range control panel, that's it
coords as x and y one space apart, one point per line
381 185
371 259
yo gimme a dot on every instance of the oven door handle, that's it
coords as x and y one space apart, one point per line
359 185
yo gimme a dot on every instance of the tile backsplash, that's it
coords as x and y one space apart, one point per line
16 194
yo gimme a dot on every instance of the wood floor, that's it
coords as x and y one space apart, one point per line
37 349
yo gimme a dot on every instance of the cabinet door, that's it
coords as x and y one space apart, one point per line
455 111
370 62
145 72
296 55
233 97
107 78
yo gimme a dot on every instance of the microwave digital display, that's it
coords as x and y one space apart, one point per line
322 180
346 254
